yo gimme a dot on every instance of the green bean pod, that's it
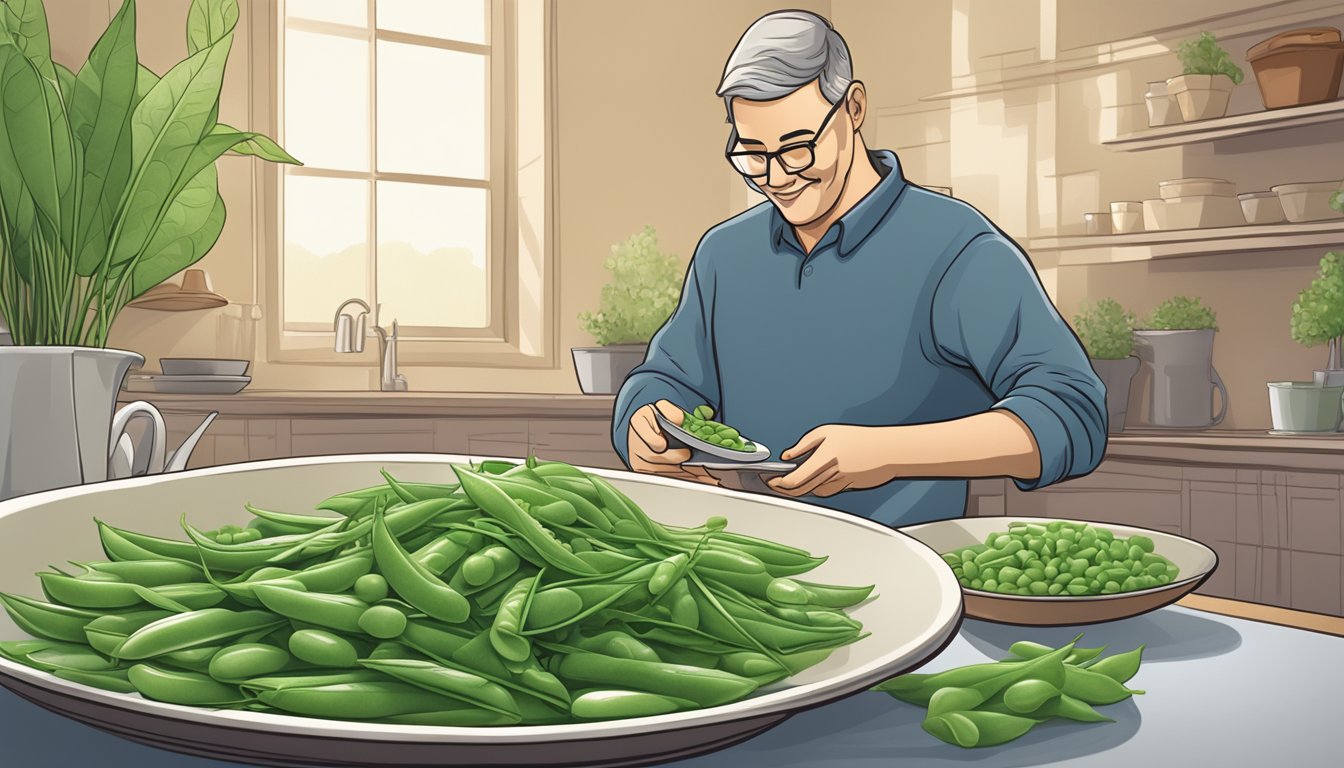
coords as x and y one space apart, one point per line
105 634
339 612
506 632
323 649
114 680
607 704
48 620
1093 687
454 683
355 701
308 523
247 660
977 729
189 630
1120 667
498 505
185 688
150 573
705 687
412 581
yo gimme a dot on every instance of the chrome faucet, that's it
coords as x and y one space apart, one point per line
350 331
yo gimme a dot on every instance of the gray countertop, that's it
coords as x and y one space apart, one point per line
1220 691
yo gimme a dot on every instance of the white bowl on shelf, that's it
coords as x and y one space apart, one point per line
1309 201
1150 220
1199 212
1127 216
1195 186
1261 208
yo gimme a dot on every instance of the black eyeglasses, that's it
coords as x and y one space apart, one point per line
793 158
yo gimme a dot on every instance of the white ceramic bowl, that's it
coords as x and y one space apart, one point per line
1195 561
915 613
202 366
1195 186
1261 208
1199 212
1309 201
1127 216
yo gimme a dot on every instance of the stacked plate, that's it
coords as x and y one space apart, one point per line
192 376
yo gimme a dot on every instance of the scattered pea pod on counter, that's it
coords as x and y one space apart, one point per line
1059 558
700 422
983 705
525 593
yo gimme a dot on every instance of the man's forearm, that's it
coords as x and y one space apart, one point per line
991 444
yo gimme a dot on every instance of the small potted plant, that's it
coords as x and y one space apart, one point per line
644 289
1209 75
1175 344
1107 333
1318 318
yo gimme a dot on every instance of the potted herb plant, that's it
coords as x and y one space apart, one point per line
1209 75
1175 344
1318 318
644 289
1107 333
107 188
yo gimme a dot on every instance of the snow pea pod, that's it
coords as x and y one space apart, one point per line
454 683
1093 687
311 680
114 680
499 506
612 704
105 634
339 612
581 486
119 544
1026 696
186 688
191 659
246 660
705 687
413 581
189 630
309 523
76 593
506 631
978 729
832 596
150 573
323 649
464 715
355 700
1120 667
48 620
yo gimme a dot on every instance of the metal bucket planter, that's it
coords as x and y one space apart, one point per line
1304 406
1179 367
602 370
1116 375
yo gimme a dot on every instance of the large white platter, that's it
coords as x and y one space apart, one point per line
916 611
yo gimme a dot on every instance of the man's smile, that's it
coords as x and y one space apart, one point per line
792 193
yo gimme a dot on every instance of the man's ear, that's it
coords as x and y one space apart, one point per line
857 103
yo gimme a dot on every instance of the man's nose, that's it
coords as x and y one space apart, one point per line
775 178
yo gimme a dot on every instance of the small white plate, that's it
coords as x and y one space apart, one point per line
185 385
703 452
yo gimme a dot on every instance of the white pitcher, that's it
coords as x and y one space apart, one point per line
57 421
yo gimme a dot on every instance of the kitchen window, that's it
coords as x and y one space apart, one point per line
423 128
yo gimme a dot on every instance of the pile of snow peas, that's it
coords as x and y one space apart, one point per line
983 705
700 422
526 593
1060 558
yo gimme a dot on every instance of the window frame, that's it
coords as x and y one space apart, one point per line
521 306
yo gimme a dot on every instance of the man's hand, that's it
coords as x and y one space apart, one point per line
843 457
648 449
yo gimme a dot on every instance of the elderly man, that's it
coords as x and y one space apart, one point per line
893 338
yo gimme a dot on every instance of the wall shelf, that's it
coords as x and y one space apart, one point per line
1147 246
1228 127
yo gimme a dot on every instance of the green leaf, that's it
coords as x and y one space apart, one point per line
1106 330
66 80
254 144
167 130
1182 313
39 136
145 80
208 21
101 117
26 22
190 227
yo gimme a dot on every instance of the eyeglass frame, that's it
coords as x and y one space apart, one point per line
777 155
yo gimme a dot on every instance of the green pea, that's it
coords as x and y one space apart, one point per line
371 587
477 569
323 649
383 622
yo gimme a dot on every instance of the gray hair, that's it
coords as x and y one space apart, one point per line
782 52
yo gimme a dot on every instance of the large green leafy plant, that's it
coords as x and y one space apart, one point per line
1318 313
107 175
1182 313
1106 330
1203 56
644 288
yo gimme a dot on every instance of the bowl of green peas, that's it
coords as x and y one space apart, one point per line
1052 572
419 609
710 441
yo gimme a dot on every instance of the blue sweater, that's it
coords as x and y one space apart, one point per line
912 308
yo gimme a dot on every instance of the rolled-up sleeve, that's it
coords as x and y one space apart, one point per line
680 364
991 314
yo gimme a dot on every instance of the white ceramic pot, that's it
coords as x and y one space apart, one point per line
1261 208
1127 217
1201 97
602 370
1309 201
1162 106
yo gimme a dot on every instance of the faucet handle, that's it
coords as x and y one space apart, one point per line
344 340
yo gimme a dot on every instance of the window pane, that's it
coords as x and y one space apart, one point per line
431 111
462 20
355 12
326 246
327 100
432 260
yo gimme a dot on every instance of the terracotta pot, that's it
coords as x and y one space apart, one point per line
1299 67
1201 97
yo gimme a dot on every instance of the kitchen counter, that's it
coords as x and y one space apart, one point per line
285 403
1220 691
1242 447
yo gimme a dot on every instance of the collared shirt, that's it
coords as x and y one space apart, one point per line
912 308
